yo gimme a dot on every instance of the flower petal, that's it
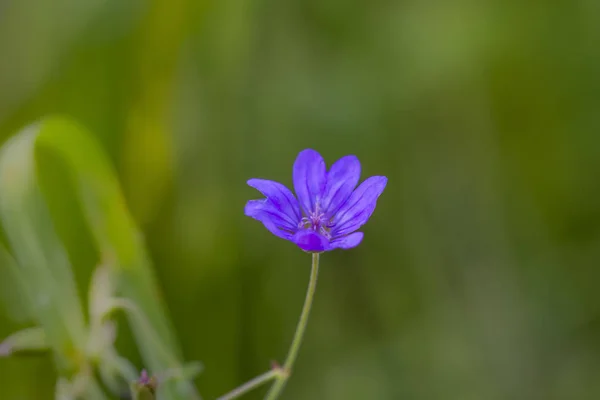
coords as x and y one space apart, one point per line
309 177
280 196
264 209
359 207
347 242
311 241
342 178
274 229
275 221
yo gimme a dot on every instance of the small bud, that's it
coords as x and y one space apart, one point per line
145 387
5 349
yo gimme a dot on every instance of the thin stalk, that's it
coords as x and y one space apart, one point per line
250 385
281 379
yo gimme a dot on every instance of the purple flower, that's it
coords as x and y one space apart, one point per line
329 209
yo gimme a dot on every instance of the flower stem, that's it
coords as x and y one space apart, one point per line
251 384
281 379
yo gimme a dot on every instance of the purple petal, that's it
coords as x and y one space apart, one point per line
309 177
265 212
342 178
347 242
359 207
274 229
280 196
309 240
261 209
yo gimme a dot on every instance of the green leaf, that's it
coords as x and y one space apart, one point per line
83 386
36 245
13 289
43 267
27 340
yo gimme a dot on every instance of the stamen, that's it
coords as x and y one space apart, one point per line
318 222
305 222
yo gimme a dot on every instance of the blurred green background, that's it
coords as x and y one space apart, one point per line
479 274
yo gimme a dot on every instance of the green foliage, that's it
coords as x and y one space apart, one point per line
123 281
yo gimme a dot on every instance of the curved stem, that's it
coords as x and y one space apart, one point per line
297 341
251 384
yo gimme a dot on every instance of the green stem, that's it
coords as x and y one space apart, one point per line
250 385
295 347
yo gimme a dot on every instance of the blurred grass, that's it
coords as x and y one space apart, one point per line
478 274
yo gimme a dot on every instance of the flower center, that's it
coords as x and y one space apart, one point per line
317 221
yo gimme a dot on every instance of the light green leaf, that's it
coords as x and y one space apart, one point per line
83 386
26 340
13 289
43 266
